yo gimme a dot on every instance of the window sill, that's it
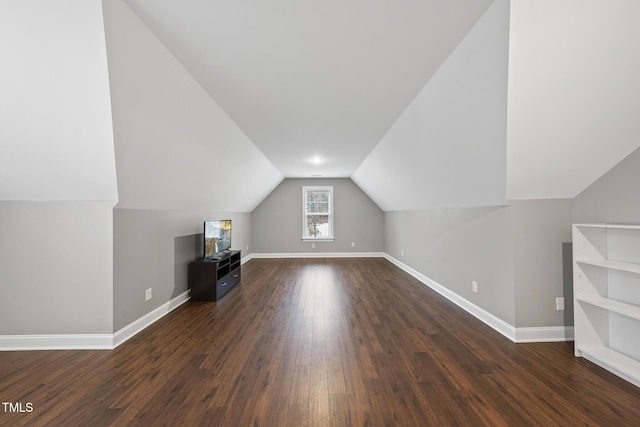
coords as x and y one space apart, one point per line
323 239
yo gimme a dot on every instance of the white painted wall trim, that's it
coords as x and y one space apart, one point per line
56 342
498 324
517 335
544 334
111 341
89 341
320 255
138 325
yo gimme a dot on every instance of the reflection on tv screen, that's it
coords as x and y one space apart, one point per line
217 237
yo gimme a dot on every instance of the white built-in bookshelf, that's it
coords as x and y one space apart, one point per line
606 292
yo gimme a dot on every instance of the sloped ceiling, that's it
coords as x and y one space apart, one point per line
574 94
298 79
175 147
312 78
448 148
56 140
334 80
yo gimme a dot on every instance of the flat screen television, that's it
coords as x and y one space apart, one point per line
217 237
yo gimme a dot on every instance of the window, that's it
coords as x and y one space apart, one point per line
317 213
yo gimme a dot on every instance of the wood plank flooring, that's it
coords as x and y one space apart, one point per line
317 342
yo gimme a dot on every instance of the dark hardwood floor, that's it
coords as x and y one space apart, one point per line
339 342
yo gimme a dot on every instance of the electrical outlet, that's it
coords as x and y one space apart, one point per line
247 247
313 246
560 303
147 294
474 286
353 244
401 252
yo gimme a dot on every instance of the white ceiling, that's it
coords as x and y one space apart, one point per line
448 149
56 139
312 78
363 84
175 147
574 94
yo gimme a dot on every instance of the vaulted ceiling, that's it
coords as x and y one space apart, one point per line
574 94
306 79
409 97
210 103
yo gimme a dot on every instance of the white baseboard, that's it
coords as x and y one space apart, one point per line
111 341
134 327
544 334
56 342
320 255
89 341
518 335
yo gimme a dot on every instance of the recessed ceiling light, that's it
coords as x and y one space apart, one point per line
316 160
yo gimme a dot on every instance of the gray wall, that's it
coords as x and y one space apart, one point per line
541 229
456 246
516 254
56 270
170 137
614 198
277 221
153 248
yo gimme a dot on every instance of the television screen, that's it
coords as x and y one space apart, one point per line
217 237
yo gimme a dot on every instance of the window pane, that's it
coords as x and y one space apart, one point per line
317 202
318 226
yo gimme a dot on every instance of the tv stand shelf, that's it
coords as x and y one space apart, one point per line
210 279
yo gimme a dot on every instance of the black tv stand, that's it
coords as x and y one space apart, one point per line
218 256
211 278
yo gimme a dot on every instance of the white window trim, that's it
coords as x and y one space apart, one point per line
306 238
